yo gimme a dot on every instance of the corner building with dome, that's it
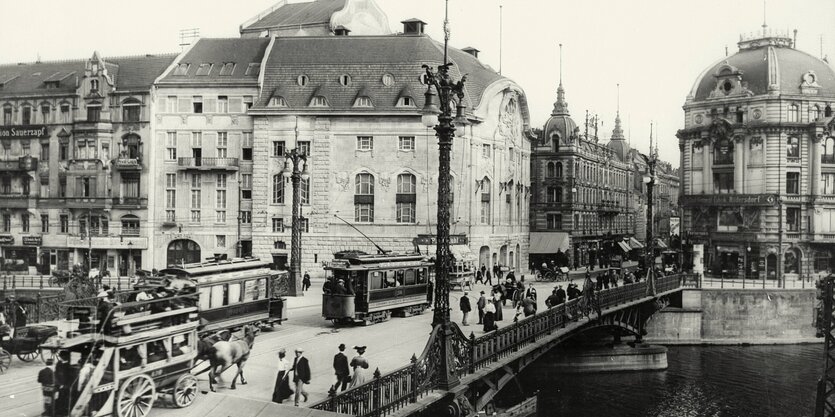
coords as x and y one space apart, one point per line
758 162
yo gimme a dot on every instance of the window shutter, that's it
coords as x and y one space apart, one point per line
236 105
184 105
210 105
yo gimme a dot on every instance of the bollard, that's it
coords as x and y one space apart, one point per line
13 282
41 283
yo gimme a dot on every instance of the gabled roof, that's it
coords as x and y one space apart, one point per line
139 72
365 58
298 14
218 51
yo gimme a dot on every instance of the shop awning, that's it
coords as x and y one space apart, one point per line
624 246
548 242
660 244
634 244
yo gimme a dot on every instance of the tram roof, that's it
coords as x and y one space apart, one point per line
355 258
211 267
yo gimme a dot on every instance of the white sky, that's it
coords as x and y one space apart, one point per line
654 48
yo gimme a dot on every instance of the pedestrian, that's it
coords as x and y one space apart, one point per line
497 304
560 295
479 277
511 276
481 303
46 377
282 390
528 306
489 277
430 288
65 375
490 318
531 292
464 305
599 279
341 369
552 299
20 315
508 293
301 375
360 366
306 281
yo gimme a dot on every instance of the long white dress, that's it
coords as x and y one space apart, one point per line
360 367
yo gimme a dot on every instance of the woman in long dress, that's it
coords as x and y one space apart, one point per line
282 389
360 366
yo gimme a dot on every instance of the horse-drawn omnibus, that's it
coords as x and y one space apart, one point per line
366 289
138 351
235 292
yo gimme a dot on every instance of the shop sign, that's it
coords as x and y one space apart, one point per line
730 200
432 240
32 240
24 132
6 240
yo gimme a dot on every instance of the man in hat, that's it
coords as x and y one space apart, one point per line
306 281
464 304
340 367
46 377
301 375
560 295
482 302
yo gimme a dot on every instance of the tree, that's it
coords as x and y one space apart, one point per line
77 282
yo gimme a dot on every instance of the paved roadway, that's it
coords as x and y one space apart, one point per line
390 346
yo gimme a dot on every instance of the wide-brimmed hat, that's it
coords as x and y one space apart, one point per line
299 350
360 349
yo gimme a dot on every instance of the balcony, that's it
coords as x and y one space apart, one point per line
208 164
88 202
608 208
9 201
107 242
127 164
23 164
130 202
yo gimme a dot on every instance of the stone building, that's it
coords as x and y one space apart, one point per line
580 191
353 103
758 161
202 162
75 163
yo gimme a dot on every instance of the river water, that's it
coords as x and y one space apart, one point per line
720 381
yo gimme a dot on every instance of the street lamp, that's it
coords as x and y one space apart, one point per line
297 160
649 180
442 121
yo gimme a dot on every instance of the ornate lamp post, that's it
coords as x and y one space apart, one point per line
298 160
649 180
442 121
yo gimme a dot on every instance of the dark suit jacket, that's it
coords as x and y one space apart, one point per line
301 370
340 364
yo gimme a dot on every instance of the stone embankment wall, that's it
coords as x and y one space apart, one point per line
736 316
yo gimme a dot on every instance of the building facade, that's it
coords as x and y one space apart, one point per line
758 161
75 173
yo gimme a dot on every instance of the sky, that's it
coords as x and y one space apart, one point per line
654 49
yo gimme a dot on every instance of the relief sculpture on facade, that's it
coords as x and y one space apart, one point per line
751 218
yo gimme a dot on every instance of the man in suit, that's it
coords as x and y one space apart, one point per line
531 292
301 375
482 302
340 367
464 304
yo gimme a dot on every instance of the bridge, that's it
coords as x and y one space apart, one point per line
479 367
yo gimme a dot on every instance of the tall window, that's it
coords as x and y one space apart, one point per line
485 201
196 197
364 198
793 219
793 147
7 223
792 183
170 197
197 104
24 222
559 169
223 104
65 113
550 170
246 217
26 115
304 147
828 154
171 145
94 113
755 150
553 195
793 114
171 104
220 199
723 153
278 189
406 198
278 225
304 191
44 223
279 148
45 110
828 184
64 223
7 116
485 150
246 186
554 221
814 113
723 183
222 142
130 110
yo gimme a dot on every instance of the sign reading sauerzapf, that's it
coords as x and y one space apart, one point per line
23 132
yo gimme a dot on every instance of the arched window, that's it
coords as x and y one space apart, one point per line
130 225
559 169
406 198
183 251
558 195
364 198
278 189
794 113
551 171
828 156
551 195
486 186
827 111
94 84
814 113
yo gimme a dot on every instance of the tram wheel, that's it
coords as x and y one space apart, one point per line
5 359
136 396
28 356
185 390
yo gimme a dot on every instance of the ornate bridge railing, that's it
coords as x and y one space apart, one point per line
394 390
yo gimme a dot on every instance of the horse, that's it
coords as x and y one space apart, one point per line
228 353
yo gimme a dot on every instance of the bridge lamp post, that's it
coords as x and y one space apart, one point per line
649 180
297 159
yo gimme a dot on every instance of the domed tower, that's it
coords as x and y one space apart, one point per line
758 161
560 129
617 142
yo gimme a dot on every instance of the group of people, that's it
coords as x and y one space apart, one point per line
485 276
348 374
12 316
66 381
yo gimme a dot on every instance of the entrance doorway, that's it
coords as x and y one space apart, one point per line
183 251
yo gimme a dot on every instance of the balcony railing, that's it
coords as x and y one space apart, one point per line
24 163
134 202
16 200
130 231
828 159
127 164
229 164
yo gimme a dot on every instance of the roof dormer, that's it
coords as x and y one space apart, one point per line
413 27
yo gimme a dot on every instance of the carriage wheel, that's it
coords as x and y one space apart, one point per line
550 276
47 354
28 356
5 359
136 397
185 390
538 275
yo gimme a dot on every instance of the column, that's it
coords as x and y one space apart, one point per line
707 171
739 166
814 188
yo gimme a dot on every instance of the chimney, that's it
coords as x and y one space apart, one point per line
472 51
413 26
341 31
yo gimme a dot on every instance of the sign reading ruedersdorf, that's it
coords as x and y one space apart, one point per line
729 200
23 132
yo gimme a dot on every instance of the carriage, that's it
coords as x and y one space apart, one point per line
366 289
552 273
137 352
25 343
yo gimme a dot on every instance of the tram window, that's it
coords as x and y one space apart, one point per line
410 277
262 288
390 281
129 357
234 293
156 351
180 345
217 296
205 298
400 278
375 281
421 276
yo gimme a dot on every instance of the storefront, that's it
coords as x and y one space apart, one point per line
546 247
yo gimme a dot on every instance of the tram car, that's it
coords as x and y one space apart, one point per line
234 292
146 351
365 289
